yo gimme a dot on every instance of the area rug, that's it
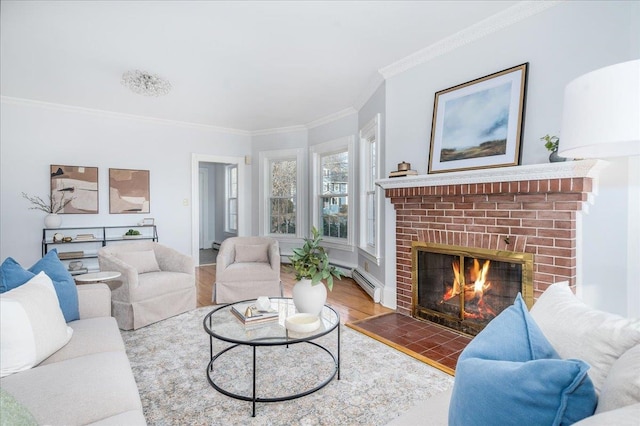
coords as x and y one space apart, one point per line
377 383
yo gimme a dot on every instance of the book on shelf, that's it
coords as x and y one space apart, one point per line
257 316
85 237
400 173
70 254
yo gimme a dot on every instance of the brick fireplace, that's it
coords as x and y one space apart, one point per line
532 209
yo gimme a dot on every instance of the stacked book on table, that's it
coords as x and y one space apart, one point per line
248 313
401 173
70 254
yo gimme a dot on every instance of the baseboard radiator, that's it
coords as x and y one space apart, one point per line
368 284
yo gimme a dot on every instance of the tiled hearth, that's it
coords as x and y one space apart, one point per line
531 209
428 342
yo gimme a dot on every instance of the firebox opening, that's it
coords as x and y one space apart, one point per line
464 288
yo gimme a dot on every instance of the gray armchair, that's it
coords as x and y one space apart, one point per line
247 268
157 282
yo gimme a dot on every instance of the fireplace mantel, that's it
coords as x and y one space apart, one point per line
524 209
567 169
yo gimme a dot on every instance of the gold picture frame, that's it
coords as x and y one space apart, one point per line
479 124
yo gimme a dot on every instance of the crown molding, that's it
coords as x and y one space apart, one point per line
278 130
69 108
514 14
332 117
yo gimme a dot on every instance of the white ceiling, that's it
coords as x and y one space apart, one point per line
239 65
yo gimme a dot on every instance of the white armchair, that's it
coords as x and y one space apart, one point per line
247 268
157 282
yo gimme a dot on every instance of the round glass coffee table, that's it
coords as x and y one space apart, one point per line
95 277
221 324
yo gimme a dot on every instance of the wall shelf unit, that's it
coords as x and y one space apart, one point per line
80 254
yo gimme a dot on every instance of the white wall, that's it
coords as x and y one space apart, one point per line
560 44
34 136
208 222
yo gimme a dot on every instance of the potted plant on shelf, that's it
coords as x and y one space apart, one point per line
53 207
551 142
311 266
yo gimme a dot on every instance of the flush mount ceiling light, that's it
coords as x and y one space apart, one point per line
143 83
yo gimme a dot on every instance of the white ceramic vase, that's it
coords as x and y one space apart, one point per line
307 298
52 220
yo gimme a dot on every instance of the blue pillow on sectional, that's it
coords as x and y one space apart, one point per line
14 275
510 375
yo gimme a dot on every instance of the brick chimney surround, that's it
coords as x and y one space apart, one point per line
533 209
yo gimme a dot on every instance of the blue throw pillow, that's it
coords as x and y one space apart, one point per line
13 275
510 375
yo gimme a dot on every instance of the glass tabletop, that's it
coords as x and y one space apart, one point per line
222 324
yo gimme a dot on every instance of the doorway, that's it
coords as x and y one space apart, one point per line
210 224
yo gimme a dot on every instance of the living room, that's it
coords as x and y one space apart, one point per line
560 41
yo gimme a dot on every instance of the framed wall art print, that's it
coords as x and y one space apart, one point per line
479 124
78 184
129 191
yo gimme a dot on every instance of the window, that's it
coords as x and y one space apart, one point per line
280 207
231 208
332 171
370 193
282 201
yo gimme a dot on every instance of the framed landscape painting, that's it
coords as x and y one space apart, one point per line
479 124
129 191
78 184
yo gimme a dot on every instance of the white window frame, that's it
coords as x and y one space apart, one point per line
370 132
317 151
264 193
227 212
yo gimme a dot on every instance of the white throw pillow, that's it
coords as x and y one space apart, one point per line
252 252
622 385
32 326
578 331
144 261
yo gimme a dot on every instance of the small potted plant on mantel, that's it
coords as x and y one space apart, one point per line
551 142
53 207
311 266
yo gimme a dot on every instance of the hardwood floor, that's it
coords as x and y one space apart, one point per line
347 297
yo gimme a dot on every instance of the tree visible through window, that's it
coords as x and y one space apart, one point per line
334 197
282 200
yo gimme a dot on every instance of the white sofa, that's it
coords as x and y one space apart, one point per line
609 343
89 380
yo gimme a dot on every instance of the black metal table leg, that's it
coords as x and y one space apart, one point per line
254 382
338 351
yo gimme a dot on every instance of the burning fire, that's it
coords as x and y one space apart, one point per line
474 292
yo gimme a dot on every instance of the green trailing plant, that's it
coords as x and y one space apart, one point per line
551 142
52 206
312 262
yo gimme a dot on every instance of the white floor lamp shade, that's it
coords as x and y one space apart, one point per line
601 116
